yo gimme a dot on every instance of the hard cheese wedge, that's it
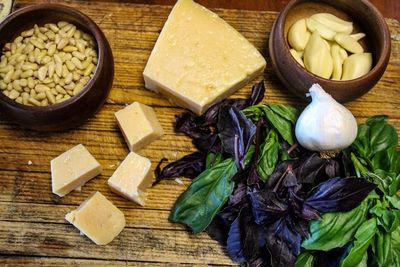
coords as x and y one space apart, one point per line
132 177
98 219
199 59
139 125
73 169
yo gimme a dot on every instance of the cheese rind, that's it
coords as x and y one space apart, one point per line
73 169
98 219
132 177
199 59
139 125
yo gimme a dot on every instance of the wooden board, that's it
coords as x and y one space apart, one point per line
32 227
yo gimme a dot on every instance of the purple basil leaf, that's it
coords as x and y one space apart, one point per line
309 167
236 133
283 243
309 213
266 207
238 194
190 166
245 238
211 115
234 242
207 143
332 168
191 125
280 171
218 229
333 257
339 194
257 93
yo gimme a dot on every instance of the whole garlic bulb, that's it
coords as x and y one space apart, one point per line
325 125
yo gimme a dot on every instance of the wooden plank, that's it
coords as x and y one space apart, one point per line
48 213
152 245
6 261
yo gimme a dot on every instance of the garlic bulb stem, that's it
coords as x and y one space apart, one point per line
325 125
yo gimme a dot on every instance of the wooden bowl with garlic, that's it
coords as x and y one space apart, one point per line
342 45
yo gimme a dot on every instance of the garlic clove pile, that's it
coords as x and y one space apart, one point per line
325 125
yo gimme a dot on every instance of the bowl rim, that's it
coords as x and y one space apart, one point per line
383 56
95 31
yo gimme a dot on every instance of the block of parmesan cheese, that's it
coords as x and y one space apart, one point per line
72 169
139 125
132 177
98 219
199 59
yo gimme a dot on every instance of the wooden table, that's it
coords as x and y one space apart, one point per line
33 231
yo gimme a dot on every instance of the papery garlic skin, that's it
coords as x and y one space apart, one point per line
325 125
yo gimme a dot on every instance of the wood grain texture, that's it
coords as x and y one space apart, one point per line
33 231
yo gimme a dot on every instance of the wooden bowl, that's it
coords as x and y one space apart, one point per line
365 17
78 108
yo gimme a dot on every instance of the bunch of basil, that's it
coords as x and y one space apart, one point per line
272 202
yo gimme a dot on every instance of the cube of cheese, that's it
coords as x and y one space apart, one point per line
73 169
132 177
139 125
98 219
199 59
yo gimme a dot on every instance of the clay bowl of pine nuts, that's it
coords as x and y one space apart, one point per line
56 67
343 45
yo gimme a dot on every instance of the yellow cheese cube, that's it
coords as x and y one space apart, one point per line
132 177
98 219
139 125
73 169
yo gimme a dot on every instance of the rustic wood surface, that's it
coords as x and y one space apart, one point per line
33 231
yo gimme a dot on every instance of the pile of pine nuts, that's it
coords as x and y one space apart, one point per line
47 65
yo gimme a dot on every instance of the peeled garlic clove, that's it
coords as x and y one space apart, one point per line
337 62
334 23
325 125
298 35
317 57
348 43
356 66
5 8
343 54
357 36
297 57
324 31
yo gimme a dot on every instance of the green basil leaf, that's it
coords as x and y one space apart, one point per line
382 248
394 200
395 247
362 142
269 155
287 112
281 124
305 259
386 160
394 186
382 134
254 113
208 192
198 205
335 229
213 159
388 219
363 239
